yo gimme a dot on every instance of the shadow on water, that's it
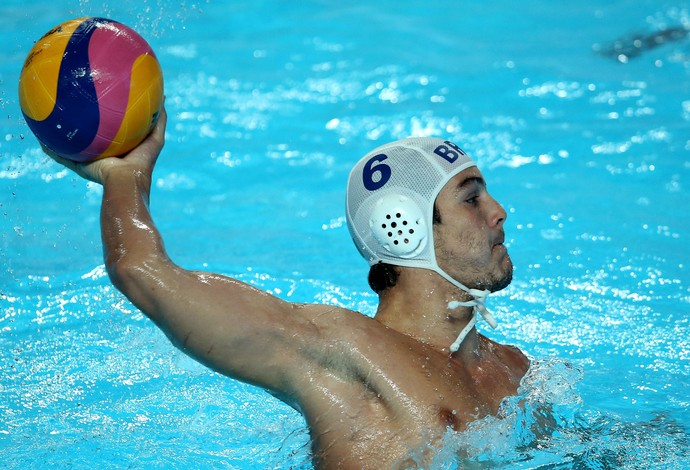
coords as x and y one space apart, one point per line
632 46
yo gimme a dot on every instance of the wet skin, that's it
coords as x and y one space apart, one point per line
372 389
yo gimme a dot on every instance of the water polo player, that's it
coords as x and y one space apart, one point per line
376 392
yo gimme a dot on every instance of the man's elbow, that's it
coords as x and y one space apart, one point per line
137 280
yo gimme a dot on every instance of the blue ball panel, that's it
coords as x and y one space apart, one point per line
69 133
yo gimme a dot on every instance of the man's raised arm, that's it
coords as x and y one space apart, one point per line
228 325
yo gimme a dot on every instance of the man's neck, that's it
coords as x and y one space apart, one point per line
418 306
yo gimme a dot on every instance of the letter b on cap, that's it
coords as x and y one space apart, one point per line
449 151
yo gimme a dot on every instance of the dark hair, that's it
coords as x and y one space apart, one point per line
383 275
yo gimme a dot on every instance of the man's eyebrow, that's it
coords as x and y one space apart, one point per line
472 180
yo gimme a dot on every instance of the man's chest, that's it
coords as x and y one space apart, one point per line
398 396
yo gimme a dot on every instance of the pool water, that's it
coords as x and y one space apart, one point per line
578 114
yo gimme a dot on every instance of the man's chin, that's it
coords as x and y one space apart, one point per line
502 281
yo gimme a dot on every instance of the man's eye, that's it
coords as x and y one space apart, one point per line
472 199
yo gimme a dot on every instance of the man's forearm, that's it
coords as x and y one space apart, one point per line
131 242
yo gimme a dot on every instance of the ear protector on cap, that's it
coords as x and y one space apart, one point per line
398 225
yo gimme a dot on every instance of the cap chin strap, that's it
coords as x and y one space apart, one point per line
478 302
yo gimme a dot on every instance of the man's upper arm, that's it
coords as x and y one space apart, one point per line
227 325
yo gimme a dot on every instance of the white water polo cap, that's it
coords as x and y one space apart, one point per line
390 205
390 199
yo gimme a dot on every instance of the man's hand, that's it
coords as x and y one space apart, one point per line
141 158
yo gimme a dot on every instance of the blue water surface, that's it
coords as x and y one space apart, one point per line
578 114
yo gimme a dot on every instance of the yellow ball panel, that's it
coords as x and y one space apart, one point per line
38 80
144 104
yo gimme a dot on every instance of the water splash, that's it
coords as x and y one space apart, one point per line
546 425
153 18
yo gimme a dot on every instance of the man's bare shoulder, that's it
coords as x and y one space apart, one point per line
509 355
322 312
336 323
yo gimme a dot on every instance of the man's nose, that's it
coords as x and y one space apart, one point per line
497 215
